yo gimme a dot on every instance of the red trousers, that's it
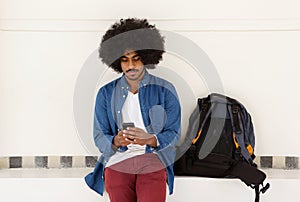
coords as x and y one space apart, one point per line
141 178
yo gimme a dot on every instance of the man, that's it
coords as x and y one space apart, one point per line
136 161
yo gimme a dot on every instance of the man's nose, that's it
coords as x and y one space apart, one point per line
131 63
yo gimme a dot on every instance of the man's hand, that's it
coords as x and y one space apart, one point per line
120 140
139 136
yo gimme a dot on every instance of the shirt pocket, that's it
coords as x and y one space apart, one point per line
158 117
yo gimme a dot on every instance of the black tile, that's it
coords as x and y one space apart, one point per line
291 162
90 161
66 161
15 162
266 161
41 161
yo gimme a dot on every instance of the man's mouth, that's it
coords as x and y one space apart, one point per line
131 70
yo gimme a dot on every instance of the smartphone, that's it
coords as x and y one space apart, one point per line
128 124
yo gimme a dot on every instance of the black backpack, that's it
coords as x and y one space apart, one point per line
220 143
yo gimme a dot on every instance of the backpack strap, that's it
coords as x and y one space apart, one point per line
235 114
204 110
238 130
203 107
250 175
262 190
257 192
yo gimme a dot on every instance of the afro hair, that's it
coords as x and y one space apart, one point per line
131 35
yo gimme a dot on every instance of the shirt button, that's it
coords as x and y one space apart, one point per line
118 112
123 96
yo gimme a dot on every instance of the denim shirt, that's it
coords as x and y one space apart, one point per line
161 114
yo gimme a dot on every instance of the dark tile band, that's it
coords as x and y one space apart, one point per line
278 162
41 161
15 162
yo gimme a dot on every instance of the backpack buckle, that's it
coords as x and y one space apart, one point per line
265 188
204 107
235 109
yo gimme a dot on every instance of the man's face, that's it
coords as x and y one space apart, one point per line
132 66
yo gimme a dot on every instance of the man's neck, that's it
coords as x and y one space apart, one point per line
134 84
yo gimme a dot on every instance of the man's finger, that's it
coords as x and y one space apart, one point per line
135 129
130 132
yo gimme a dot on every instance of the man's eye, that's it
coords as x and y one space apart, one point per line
137 58
124 59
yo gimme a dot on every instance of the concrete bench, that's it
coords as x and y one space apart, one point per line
63 185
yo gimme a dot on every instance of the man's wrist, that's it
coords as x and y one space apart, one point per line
116 142
152 141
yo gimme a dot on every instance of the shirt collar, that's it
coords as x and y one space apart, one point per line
145 81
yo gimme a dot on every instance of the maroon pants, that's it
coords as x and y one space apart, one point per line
141 178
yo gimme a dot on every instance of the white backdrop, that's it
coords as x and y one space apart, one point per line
254 46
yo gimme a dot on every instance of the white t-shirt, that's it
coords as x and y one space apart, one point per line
131 112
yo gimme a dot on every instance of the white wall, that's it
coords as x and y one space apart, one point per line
46 44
